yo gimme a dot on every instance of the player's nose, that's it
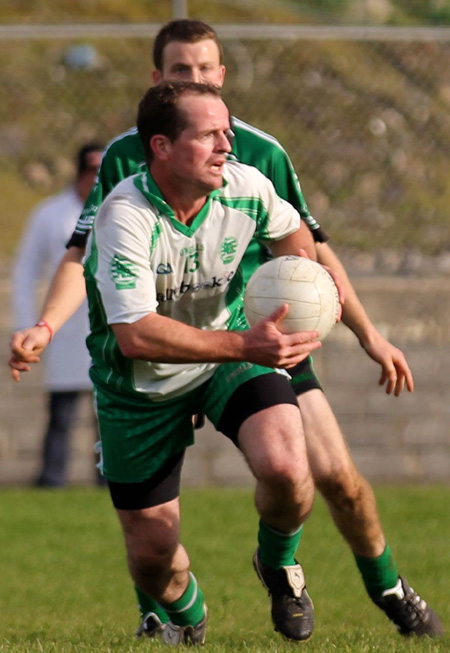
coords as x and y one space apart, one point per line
223 142
196 76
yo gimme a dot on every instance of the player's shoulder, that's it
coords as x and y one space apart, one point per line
124 190
250 134
122 201
242 178
128 143
131 192
126 204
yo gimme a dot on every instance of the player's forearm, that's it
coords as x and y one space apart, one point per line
354 315
300 240
164 340
67 290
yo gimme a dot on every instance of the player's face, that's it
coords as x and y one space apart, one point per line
198 154
192 62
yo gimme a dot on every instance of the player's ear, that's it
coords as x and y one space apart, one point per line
156 77
223 70
161 146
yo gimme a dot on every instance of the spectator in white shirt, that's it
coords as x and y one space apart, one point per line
67 359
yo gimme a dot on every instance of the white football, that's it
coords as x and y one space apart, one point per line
300 282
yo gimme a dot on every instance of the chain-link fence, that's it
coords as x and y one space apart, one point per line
365 117
364 114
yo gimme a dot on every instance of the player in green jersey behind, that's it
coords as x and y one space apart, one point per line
189 49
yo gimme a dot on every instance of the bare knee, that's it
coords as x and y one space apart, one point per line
153 559
280 468
273 445
286 471
155 555
284 497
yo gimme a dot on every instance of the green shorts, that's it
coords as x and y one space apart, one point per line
138 436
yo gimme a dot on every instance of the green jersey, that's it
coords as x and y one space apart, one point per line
141 260
124 156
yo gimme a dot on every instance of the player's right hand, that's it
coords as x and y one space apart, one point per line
26 347
266 345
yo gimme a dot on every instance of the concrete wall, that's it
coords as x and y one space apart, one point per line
403 439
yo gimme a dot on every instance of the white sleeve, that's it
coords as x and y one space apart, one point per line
28 268
123 238
281 220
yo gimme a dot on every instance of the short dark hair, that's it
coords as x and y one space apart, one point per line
159 111
185 30
82 156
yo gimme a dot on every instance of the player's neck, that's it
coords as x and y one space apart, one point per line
185 200
187 213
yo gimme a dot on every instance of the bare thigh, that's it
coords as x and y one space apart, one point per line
328 453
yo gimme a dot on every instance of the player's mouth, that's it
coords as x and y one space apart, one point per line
217 166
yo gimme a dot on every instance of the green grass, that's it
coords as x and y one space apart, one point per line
64 585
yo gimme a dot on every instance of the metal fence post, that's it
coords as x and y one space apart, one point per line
179 9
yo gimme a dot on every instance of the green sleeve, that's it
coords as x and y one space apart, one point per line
122 158
258 149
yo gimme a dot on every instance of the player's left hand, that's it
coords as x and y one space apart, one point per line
395 371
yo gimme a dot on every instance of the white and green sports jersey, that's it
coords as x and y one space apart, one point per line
141 259
125 156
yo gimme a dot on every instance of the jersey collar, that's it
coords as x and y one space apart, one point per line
145 183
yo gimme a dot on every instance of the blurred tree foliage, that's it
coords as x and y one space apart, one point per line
405 12
367 124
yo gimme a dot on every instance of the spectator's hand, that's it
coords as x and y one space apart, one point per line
395 370
266 345
26 347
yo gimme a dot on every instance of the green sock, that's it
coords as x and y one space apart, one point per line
189 609
379 574
146 604
277 549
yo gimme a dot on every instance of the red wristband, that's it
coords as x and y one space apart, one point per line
45 324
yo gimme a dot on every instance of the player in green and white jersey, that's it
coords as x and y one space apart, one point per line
194 274
187 49
168 337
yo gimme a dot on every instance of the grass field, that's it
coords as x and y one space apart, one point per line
64 585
